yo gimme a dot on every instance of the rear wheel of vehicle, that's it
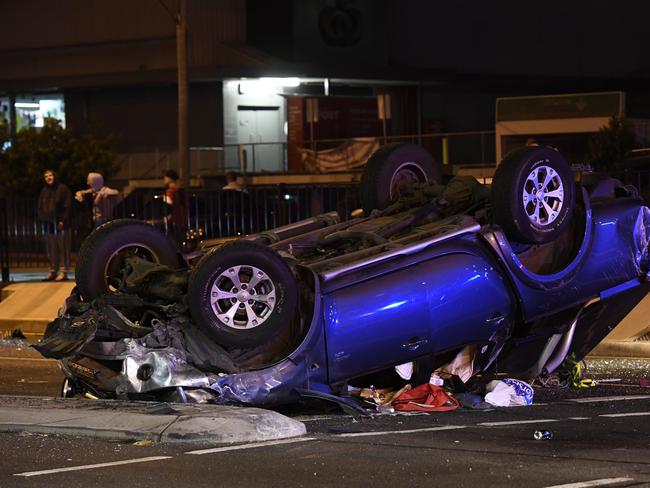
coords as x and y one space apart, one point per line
242 294
392 168
103 254
533 195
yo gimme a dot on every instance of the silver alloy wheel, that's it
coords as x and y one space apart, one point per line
243 297
406 173
543 195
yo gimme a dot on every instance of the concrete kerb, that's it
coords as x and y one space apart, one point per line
622 349
125 420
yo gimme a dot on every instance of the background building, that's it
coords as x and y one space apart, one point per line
110 67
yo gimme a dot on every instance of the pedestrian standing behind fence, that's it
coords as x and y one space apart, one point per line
175 216
234 182
103 198
54 206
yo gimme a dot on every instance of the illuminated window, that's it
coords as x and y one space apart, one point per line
31 111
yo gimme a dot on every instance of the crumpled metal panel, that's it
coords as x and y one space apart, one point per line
170 369
263 387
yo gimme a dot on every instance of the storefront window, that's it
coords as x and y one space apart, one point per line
31 111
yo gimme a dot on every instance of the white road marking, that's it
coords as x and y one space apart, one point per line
9 358
409 431
250 446
92 466
608 399
314 418
588 484
630 414
579 418
518 422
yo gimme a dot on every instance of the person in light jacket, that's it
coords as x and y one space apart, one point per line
103 198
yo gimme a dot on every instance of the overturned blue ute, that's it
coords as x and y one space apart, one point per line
519 275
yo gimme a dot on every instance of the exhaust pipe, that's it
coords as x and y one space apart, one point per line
561 350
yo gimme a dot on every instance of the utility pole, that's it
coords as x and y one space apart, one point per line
181 60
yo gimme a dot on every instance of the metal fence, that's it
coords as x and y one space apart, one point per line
219 213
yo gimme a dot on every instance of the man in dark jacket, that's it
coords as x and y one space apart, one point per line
54 206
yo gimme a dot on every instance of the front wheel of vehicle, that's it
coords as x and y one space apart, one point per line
533 195
242 294
103 254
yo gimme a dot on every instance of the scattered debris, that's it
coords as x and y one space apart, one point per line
571 374
144 442
543 435
17 334
461 366
436 380
509 392
472 401
426 398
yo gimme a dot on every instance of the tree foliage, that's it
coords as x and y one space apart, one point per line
610 147
52 146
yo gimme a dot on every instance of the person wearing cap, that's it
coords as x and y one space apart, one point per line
54 206
103 198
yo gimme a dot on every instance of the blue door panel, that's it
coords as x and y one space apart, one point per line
430 306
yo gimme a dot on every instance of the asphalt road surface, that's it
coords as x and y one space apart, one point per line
603 441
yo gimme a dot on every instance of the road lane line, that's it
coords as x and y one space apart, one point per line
518 422
630 414
9 358
250 446
92 466
314 418
607 399
579 418
410 431
588 484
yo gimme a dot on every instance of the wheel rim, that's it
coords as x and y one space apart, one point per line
405 174
543 196
116 262
67 389
243 297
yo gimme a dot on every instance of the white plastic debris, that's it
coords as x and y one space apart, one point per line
436 380
509 392
405 371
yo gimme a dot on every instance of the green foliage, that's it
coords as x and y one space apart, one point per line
610 148
51 147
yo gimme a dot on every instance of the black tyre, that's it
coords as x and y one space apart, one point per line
391 168
242 294
103 253
533 195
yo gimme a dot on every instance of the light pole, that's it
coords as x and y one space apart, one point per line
181 60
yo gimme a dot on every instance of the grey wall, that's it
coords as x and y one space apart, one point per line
144 118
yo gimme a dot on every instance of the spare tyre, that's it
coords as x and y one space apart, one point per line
533 194
392 167
102 254
243 294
